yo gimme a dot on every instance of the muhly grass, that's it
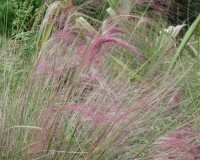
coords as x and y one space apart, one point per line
86 113
98 112
181 144
77 102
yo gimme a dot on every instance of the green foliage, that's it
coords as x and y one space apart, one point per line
23 16
185 11
6 16
17 15
78 2
186 38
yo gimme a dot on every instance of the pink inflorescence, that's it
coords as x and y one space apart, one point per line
46 66
180 145
97 45
115 30
160 6
64 36
176 98
91 112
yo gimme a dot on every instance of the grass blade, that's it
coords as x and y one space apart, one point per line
184 42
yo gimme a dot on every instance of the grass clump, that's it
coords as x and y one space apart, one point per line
83 87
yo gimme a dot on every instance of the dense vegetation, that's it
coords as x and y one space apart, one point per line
99 79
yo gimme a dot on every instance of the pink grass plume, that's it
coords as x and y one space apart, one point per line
180 145
98 43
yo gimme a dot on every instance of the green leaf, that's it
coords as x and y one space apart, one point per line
184 42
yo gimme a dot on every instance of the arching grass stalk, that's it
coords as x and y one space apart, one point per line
184 42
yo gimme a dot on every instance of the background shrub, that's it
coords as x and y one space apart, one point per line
17 14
